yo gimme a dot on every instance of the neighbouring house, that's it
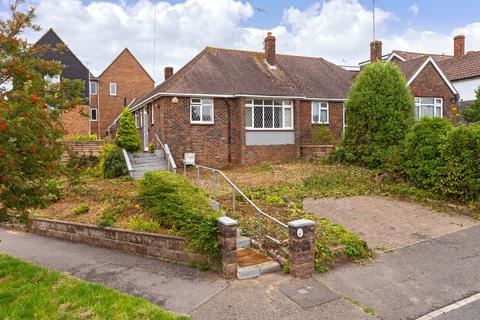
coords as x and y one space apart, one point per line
106 95
115 88
76 120
241 107
461 69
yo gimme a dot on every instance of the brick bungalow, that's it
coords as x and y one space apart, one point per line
242 107
104 96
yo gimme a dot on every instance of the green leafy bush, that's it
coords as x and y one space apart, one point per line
140 224
177 204
322 135
460 153
112 163
84 137
127 134
379 112
81 209
472 113
54 190
421 151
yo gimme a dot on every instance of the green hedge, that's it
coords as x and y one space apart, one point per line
179 205
112 163
421 151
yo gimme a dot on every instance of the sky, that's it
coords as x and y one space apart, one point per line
337 30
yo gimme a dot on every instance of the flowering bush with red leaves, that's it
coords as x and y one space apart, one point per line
30 132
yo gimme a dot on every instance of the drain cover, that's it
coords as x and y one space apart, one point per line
308 292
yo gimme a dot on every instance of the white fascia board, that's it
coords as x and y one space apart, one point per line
435 65
394 55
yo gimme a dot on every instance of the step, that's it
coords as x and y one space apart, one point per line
258 269
243 242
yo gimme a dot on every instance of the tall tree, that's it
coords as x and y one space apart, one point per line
379 112
30 110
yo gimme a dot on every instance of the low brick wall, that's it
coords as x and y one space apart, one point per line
162 246
316 151
270 153
82 148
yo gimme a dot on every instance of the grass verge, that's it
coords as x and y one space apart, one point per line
31 292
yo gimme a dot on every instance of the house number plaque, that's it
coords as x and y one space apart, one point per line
299 232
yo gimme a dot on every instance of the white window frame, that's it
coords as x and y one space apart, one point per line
344 119
437 102
91 114
136 119
321 105
285 104
96 88
114 86
53 80
151 110
201 102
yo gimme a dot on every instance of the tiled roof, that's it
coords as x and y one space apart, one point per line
409 67
407 55
464 67
234 72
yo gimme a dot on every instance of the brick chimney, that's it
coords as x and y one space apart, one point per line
269 44
168 72
375 51
459 46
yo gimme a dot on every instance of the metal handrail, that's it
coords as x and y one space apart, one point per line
127 160
172 167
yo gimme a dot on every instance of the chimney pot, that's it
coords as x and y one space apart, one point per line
459 46
269 44
168 72
375 51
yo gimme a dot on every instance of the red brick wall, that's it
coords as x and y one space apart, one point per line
76 121
132 81
429 83
304 123
270 153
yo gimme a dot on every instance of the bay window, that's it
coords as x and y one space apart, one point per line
320 112
428 107
201 111
268 114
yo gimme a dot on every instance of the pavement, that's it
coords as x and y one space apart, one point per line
387 224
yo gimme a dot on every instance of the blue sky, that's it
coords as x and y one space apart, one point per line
337 30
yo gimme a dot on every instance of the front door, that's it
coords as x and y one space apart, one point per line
145 130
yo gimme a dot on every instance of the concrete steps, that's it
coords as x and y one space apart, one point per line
144 162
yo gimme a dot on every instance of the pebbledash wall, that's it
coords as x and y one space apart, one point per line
156 245
226 141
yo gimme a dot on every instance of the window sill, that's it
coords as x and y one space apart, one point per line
269 129
93 120
202 123
320 123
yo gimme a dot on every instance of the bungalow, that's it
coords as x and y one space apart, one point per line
242 107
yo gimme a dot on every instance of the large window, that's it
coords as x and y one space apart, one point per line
201 111
428 107
320 112
268 114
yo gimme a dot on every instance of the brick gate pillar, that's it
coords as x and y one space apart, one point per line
301 247
227 238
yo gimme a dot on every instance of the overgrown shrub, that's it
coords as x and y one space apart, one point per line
54 190
379 112
421 151
322 135
112 163
177 204
472 113
127 134
460 153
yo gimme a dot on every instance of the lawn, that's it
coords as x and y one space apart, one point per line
31 292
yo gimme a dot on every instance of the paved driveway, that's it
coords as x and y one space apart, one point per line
387 223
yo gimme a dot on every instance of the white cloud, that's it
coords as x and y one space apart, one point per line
338 30
414 9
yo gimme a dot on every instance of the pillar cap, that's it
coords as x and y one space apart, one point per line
226 221
301 223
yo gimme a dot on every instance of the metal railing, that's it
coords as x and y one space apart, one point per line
235 190
127 160
171 166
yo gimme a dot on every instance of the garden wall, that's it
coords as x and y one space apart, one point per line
82 148
316 151
149 244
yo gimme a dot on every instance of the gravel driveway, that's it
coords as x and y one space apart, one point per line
387 223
